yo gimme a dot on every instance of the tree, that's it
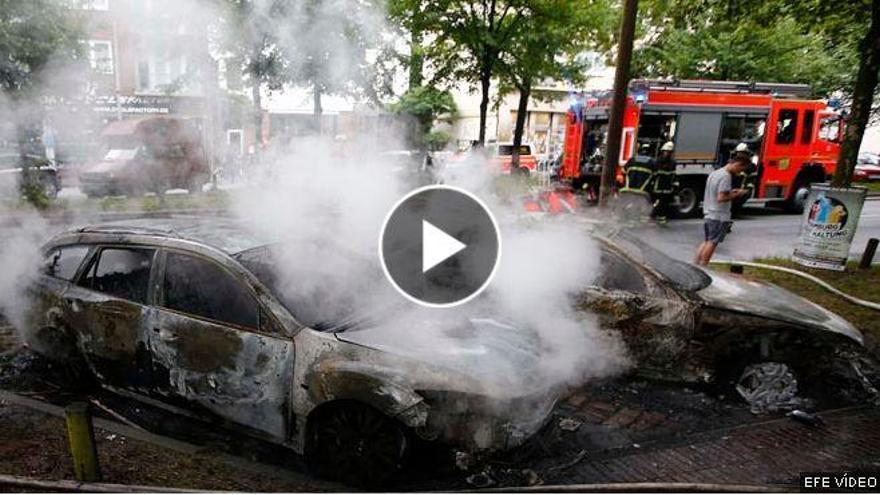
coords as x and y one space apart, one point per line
250 36
424 104
34 35
328 45
567 30
414 18
862 99
748 40
469 40
40 47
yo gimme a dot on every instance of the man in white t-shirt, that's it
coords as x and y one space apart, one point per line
717 202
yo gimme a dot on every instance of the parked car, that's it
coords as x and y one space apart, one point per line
685 323
502 158
148 154
40 173
190 312
868 167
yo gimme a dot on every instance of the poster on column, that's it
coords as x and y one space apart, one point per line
831 216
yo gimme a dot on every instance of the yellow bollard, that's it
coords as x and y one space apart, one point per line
81 436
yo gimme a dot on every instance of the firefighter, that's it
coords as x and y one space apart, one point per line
665 182
635 196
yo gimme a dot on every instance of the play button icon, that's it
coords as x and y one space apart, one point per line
439 246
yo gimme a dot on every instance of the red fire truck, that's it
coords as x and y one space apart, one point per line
795 139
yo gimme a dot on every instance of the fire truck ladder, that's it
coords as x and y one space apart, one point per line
782 90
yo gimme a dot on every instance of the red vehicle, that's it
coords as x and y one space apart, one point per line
794 138
503 157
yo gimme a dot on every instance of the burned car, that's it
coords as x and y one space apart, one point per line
684 323
188 313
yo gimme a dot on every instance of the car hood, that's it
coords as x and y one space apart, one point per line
104 166
737 293
479 355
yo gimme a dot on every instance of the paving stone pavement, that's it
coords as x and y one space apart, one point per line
771 452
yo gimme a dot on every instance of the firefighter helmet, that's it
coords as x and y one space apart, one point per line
667 146
742 147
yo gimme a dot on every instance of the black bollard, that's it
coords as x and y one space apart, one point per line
737 269
868 255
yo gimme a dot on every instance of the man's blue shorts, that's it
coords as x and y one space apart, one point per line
715 230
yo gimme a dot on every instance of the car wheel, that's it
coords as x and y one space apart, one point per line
798 200
832 371
689 196
356 444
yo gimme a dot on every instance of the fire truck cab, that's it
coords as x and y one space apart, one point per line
794 139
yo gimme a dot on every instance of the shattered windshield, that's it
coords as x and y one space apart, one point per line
325 295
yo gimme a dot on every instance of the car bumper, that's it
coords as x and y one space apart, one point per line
479 424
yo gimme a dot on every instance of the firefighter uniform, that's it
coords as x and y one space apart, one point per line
638 174
665 185
634 200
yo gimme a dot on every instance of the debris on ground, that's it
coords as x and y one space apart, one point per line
810 419
569 424
769 387
480 480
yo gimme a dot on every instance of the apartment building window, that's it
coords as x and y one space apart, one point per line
101 56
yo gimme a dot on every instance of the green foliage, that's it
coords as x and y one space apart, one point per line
34 34
34 194
424 105
771 40
436 140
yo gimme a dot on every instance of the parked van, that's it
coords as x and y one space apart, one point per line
148 154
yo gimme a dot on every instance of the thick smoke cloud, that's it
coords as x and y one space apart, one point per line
325 199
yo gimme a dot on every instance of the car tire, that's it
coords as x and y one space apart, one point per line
823 370
356 444
690 194
798 199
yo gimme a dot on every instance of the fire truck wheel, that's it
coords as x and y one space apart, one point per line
797 201
689 195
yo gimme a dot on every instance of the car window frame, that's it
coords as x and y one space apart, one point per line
93 257
86 260
267 323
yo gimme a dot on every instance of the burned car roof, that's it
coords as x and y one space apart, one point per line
221 233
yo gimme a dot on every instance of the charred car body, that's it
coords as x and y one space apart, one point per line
185 312
684 323
189 312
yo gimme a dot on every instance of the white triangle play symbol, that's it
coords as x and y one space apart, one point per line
437 246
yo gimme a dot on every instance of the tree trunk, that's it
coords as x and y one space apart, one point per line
416 58
318 109
863 97
522 109
485 81
621 79
258 119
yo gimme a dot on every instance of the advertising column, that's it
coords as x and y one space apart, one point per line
831 216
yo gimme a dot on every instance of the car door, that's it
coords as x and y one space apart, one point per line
213 345
108 309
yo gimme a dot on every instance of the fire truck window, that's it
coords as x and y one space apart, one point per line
830 129
786 123
654 130
807 135
740 129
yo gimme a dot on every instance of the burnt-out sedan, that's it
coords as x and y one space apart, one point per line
684 323
191 313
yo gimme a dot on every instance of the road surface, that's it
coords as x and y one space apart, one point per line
756 233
